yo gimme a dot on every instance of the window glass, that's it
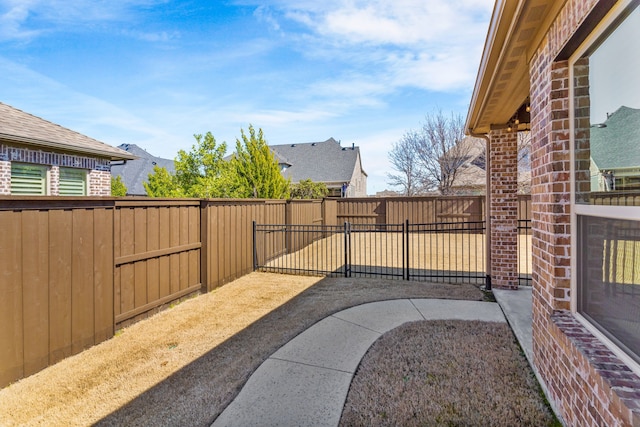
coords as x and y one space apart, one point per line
609 278
28 179
606 90
73 182
607 118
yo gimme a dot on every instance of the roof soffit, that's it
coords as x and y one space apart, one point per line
502 85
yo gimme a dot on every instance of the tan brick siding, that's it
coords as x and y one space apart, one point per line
98 180
504 209
571 361
53 181
5 177
99 183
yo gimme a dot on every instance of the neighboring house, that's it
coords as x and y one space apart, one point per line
40 158
556 67
340 168
471 177
620 133
136 172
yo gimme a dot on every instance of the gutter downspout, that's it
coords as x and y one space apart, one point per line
487 206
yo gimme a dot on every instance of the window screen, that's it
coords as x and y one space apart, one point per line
609 278
28 179
73 182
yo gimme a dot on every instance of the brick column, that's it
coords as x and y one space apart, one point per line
5 177
503 170
53 181
99 183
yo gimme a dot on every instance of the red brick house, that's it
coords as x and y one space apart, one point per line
40 158
559 68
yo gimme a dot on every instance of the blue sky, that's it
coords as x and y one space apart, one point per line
155 72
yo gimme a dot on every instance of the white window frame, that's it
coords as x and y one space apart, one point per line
613 212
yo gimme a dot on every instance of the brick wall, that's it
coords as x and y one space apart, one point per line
504 209
99 183
586 382
54 181
98 180
5 177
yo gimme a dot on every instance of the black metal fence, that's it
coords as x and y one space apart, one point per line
524 252
442 252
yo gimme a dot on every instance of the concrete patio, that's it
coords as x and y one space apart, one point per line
306 381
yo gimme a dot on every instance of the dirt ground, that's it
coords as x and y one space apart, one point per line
183 366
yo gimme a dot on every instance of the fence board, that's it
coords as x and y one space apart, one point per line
60 297
35 290
82 332
194 238
103 274
11 315
140 246
164 242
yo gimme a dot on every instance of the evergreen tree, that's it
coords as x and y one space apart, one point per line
118 189
256 168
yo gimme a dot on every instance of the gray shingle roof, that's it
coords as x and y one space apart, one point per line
135 172
617 145
19 127
319 161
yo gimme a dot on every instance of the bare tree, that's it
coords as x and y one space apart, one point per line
430 158
440 151
403 159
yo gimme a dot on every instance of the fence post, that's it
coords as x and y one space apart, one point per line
347 250
255 247
405 250
204 250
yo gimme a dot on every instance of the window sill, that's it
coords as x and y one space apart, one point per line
623 381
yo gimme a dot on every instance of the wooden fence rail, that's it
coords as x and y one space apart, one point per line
73 270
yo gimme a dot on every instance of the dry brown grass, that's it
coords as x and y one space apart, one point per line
184 366
446 373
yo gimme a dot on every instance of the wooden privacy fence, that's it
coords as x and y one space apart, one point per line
156 251
73 270
420 210
56 258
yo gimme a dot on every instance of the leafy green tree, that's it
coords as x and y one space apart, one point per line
118 189
256 168
201 172
162 184
307 189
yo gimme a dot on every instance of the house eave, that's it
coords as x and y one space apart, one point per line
52 145
502 84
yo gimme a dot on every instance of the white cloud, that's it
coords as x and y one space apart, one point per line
27 19
278 118
161 36
263 14
396 22
431 45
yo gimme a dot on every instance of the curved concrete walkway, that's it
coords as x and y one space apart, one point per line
305 383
